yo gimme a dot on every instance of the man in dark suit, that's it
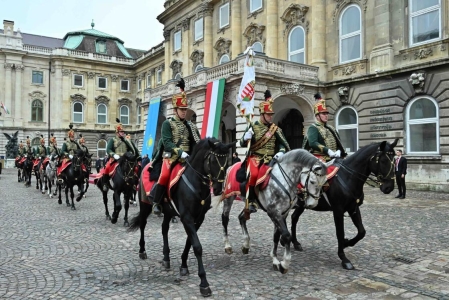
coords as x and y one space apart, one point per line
98 164
400 166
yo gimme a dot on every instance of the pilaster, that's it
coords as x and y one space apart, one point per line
18 97
318 54
237 28
208 36
272 29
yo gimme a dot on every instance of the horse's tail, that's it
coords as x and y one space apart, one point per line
135 223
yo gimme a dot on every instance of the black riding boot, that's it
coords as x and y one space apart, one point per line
252 200
156 195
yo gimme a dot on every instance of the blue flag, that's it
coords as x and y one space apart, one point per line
150 130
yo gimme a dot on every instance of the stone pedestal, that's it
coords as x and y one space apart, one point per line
9 163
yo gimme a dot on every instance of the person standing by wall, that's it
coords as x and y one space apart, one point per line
235 158
98 164
401 170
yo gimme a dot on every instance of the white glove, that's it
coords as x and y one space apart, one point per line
40 157
116 156
248 135
184 155
278 155
338 153
70 156
331 153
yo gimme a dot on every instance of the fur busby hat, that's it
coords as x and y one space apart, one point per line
180 100
52 139
28 140
71 133
317 97
266 107
81 140
119 126
42 140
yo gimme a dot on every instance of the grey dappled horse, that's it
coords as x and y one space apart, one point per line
279 197
50 174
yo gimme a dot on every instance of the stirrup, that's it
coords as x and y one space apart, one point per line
60 181
157 209
252 207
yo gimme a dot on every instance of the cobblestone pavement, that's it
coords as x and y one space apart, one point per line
48 251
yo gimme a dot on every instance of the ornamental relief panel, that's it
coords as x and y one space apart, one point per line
355 68
102 100
293 16
292 89
197 57
37 95
78 98
124 101
223 46
254 33
176 67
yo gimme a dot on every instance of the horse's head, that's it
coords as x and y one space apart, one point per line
312 180
215 163
382 165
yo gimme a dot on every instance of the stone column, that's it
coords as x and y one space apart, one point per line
381 57
8 89
185 46
18 97
272 29
208 36
319 38
167 60
56 100
236 46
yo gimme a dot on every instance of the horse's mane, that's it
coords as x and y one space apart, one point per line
361 153
203 144
302 155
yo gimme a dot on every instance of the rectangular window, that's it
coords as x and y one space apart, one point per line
425 21
38 77
102 82
177 41
159 76
124 85
148 81
78 80
198 29
255 5
139 84
224 15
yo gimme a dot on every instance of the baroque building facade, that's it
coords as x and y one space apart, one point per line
381 65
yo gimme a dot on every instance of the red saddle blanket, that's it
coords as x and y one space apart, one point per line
22 160
36 162
111 174
44 163
65 164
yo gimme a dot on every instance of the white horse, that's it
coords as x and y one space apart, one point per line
295 168
50 173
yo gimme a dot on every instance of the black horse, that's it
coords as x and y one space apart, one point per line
73 175
28 169
124 182
87 161
37 173
191 197
20 172
345 193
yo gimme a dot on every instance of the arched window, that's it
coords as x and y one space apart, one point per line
296 45
101 148
348 129
258 47
198 68
423 126
78 114
350 34
124 114
178 76
102 114
224 59
37 111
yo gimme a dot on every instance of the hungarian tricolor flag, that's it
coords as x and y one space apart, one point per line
212 109
4 108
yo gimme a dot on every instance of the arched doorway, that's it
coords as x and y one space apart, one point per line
293 128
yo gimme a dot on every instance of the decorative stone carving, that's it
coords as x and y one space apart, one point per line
342 4
102 100
423 53
176 67
293 16
197 57
138 101
206 9
8 66
348 70
90 75
185 24
37 95
343 94
65 72
292 89
78 98
161 67
166 35
19 68
417 80
114 78
223 46
124 101
254 33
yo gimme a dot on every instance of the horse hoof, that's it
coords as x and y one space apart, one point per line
347 266
78 199
143 255
184 271
68 204
228 250
50 196
108 217
73 208
126 224
298 247
275 267
114 220
59 201
43 192
245 250
84 196
166 264
282 269
205 291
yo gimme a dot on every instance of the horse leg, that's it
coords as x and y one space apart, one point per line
66 190
246 239
18 174
126 197
191 231
295 217
145 211
49 188
184 270
117 206
81 193
356 218
340 230
59 188
166 248
227 205
37 179
280 232
105 201
72 196
87 186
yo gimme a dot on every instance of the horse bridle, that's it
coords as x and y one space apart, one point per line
208 179
380 177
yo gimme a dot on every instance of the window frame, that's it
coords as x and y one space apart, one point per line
42 77
220 61
220 15
97 47
176 47
419 13
121 116
139 84
82 80
178 76
261 45
339 127
37 107
409 122
121 81
196 37
73 112
198 68
290 54
98 82
148 81
252 9
352 34
159 76
105 114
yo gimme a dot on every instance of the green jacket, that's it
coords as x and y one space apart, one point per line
69 148
322 137
41 151
120 146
